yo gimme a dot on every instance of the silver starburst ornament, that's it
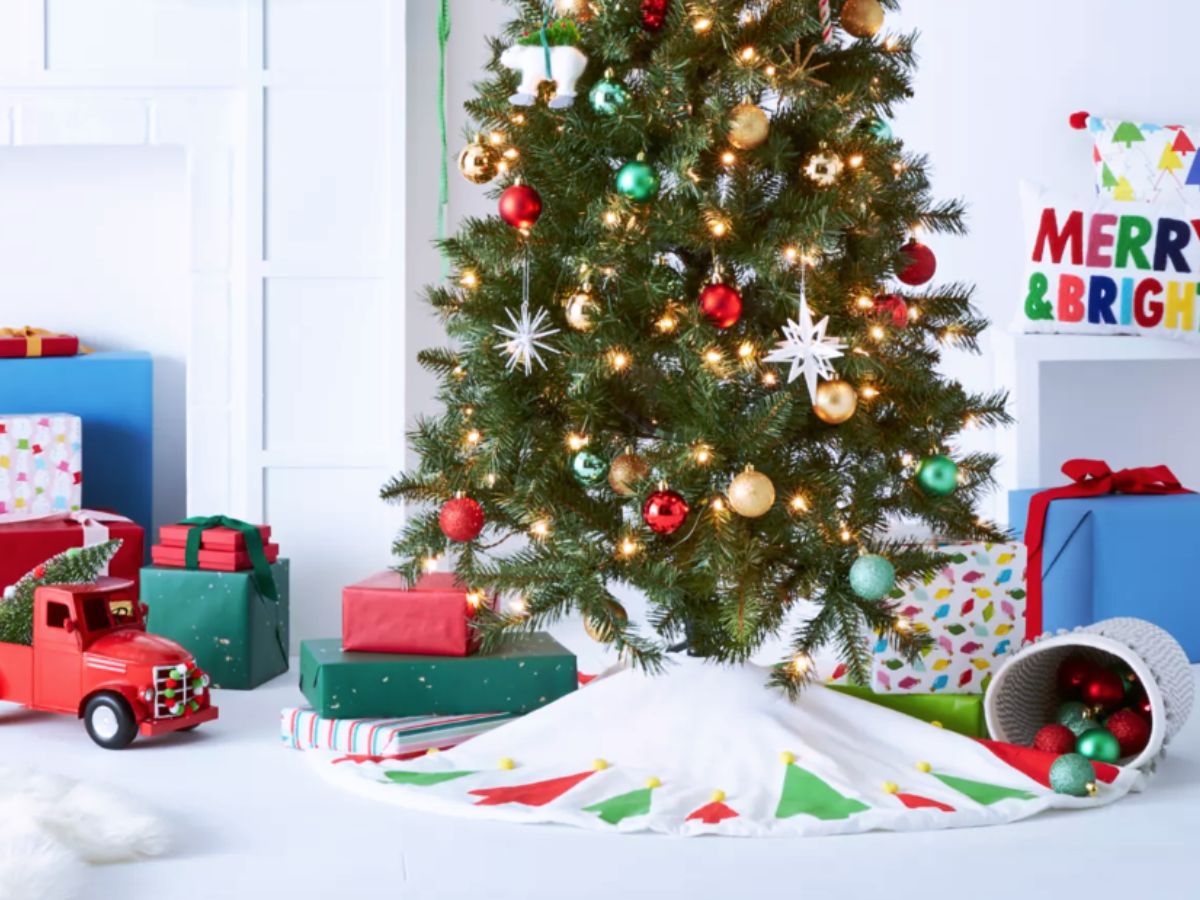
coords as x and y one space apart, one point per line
807 348
525 338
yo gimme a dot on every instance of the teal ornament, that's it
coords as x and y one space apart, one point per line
877 127
1073 774
872 577
1099 744
589 468
1076 716
937 476
638 181
608 97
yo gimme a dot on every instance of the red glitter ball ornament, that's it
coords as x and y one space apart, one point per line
665 511
654 14
1054 738
461 519
520 206
921 266
893 305
1072 673
721 305
1103 687
1130 729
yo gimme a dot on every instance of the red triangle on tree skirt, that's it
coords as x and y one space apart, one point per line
915 801
1182 143
1036 763
539 793
1096 155
712 813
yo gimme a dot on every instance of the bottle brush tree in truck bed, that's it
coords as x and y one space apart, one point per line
681 360
74 566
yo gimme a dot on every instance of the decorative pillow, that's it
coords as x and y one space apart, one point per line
1144 161
1101 266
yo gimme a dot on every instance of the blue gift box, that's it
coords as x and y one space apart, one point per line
1119 555
113 394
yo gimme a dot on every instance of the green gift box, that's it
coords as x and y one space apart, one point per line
957 712
238 636
527 672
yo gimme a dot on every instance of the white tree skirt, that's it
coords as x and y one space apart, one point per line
725 755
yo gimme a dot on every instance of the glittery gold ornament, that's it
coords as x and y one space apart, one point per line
479 162
824 168
836 402
862 18
600 631
751 493
626 470
581 310
749 126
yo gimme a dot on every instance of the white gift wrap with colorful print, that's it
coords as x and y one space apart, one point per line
974 611
41 465
303 729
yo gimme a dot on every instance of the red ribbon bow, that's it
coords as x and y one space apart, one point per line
1090 478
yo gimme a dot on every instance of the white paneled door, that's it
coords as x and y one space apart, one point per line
291 113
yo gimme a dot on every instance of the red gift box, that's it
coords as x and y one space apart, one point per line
17 343
210 538
25 545
211 560
432 618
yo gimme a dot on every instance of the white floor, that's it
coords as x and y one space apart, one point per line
253 820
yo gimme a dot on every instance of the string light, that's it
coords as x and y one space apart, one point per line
770 379
902 624
702 25
430 564
746 352
865 302
540 529
517 606
877 332
473 437
666 322
611 219
969 421
791 254
629 546
907 460
770 71
891 43
577 441
717 226
476 598
855 160
713 356
469 279
798 503
748 54
519 119
718 505
869 392
512 153
728 158
618 360
801 664
468 411
490 479
497 137
914 313
702 454
898 167
459 372
846 536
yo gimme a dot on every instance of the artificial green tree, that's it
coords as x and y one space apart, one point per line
74 566
633 370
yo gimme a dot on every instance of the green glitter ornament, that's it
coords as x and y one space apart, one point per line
1073 774
1099 744
608 97
872 577
1076 716
638 181
589 468
937 476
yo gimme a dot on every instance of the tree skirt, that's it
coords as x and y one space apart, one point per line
709 749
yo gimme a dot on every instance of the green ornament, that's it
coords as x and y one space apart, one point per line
169 693
879 128
589 468
1073 774
937 476
1128 678
1099 744
872 577
638 181
608 97
72 553
1076 716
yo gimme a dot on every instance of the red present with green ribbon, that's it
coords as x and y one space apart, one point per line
222 544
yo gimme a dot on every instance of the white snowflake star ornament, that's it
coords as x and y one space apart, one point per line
807 348
525 338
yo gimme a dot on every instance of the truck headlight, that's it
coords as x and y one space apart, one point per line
148 695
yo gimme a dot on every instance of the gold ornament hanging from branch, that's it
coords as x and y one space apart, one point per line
862 18
836 402
603 632
749 126
625 471
581 310
479 162
751 494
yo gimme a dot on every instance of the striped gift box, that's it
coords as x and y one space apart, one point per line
303 729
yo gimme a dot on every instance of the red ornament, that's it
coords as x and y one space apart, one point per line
1054 738
1131 731
461 519
654 14
39 572
893 305
1072 673
665 511
921 266
721 305
1104 688
520 206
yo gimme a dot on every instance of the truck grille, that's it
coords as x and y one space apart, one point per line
164 706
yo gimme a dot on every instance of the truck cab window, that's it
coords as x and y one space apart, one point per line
95 613
57 614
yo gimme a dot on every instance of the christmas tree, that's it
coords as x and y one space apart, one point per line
74 566
681 360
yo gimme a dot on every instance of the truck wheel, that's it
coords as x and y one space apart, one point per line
109 721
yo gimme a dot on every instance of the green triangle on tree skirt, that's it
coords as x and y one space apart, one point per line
1128 134
804 792
538 793
424 779
981 791
622 806
1107 178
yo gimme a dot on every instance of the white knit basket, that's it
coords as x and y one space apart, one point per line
1023 695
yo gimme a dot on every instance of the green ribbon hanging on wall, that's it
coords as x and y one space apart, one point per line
443 33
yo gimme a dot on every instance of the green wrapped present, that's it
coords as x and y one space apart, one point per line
238 635
957 712
527 672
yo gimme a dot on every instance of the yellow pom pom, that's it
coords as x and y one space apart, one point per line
653 782
787 757
718 796
936 724
507 763
924 767
891 787
431 751
600 764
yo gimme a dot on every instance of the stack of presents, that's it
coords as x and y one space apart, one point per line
1106 544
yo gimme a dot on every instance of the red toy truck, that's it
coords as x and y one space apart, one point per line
91 656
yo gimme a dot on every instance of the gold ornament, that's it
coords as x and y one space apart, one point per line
581 310
602 632
580 10
751 493
748 126
625 470
862 18
479 162
836 402
824 168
